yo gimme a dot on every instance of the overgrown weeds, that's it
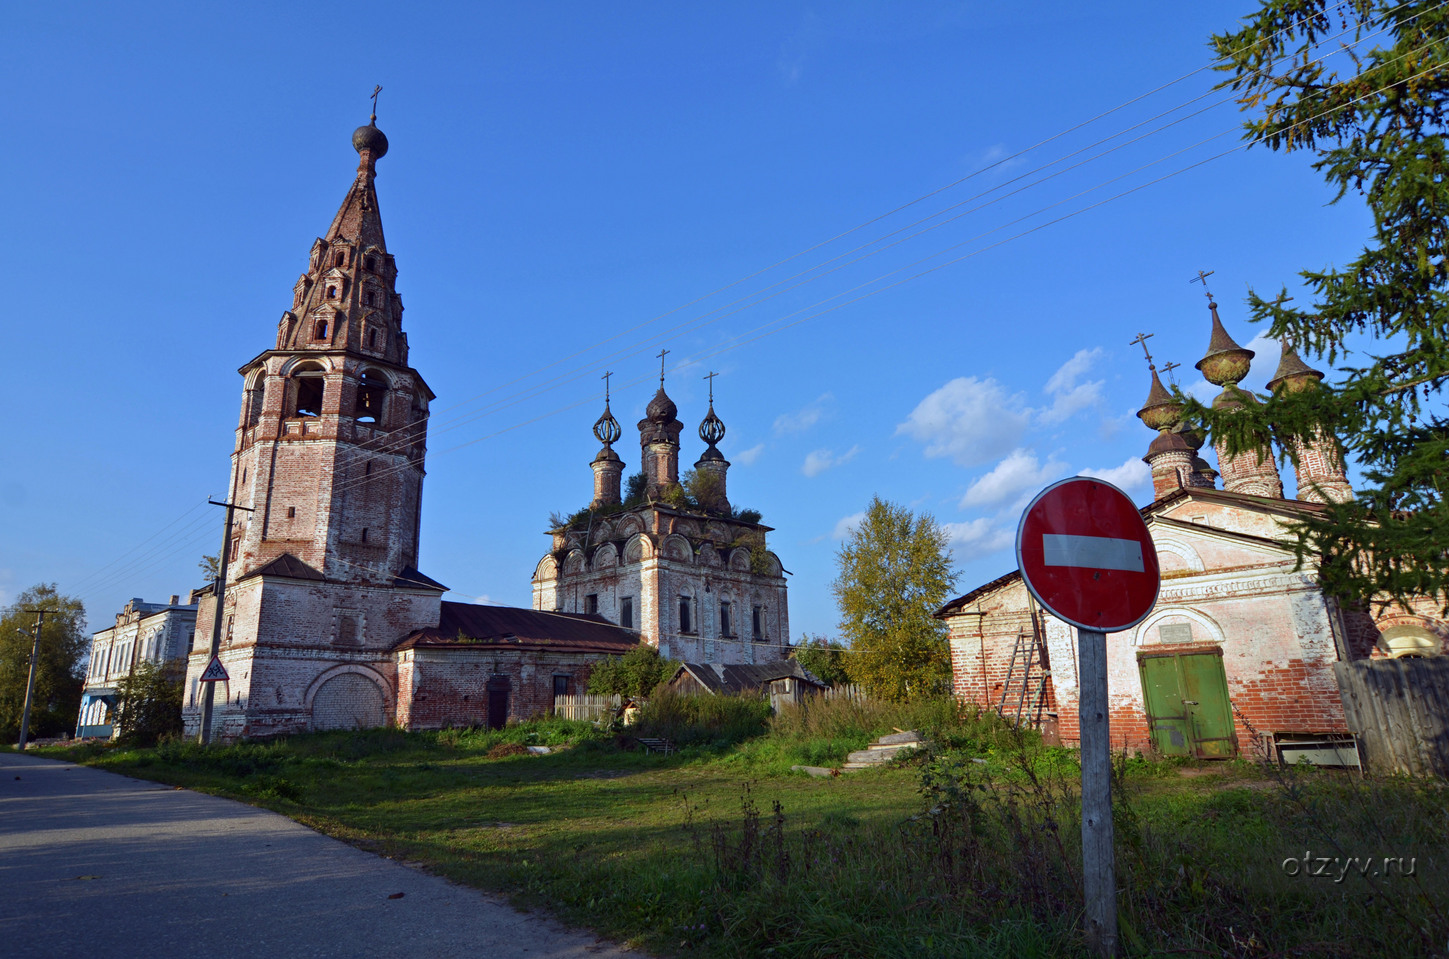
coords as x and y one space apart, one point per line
972 848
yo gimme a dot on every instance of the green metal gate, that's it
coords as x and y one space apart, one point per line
1186 697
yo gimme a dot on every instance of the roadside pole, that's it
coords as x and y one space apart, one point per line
1099 868
30 681
1088 558
208 690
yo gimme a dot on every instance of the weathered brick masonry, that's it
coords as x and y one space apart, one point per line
1230 589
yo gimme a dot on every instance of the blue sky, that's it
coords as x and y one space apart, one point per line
828 204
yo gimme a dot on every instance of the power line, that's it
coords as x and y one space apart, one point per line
776 325
757 295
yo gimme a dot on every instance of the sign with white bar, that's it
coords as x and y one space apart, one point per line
1086 555
1094 552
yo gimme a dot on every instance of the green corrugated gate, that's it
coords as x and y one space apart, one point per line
1186 696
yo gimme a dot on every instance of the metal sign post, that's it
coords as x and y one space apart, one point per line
1086 555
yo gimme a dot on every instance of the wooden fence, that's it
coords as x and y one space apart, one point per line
1399 711
852 692
588 707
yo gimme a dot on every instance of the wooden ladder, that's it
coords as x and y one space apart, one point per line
1031 695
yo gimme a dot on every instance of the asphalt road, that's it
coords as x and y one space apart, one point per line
95 864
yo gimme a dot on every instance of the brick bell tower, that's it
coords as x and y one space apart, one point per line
329 457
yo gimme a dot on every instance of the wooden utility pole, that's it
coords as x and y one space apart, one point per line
1099 872
30 681
208 691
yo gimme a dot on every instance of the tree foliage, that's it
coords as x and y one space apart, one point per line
1377 132
148 704
893 572
59 672
825 658
636 673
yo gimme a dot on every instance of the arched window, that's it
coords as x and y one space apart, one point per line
309 388
320 333
372 339
339 259
371 394
332 293
371 263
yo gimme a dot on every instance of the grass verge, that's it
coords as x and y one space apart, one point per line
969 850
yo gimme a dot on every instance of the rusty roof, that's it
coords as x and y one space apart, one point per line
470 625
1291 364
742 677
287 566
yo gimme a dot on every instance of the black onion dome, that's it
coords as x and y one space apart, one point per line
661 409
712 430
369 137
606 428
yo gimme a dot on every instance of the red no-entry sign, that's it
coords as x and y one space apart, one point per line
1086 555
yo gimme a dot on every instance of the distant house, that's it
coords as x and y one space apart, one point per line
785 681
144 633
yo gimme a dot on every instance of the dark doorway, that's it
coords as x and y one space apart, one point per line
498 702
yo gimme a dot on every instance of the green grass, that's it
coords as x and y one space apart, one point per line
720 850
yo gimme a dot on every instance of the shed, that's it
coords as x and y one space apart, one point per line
783 681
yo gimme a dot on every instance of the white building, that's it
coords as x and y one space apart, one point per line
144 633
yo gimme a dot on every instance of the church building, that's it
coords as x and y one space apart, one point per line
326 621
675 561
1239 651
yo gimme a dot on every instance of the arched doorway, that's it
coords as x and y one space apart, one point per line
348 701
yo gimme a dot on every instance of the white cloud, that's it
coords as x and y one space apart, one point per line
1202 391
484 600
748 457
847 525
978 536
1131 475
1069 396
1265 362
819 461
972 421
802 419
1017 473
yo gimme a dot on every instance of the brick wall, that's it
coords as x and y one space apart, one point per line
441 688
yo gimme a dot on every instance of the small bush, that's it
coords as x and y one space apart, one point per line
702 720
636 673
148 709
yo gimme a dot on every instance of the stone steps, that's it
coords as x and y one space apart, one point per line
885 749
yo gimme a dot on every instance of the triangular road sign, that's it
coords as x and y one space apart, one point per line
215 672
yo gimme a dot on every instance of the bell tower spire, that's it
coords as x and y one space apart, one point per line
331 442
712 464
607 466
1321 476
347 299
1225 364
